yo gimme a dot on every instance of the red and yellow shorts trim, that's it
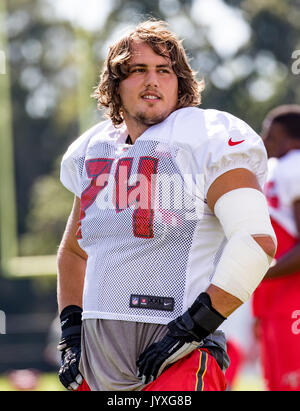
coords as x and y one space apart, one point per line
198 371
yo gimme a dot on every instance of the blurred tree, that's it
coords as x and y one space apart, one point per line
8 229
43 81
275 34
46 220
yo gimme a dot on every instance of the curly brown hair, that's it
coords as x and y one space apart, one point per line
163 42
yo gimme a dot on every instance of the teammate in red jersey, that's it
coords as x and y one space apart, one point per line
169 232
276 302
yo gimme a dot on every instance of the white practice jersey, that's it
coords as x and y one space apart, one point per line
152 242
283 189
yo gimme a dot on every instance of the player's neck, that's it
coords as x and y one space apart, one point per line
135 129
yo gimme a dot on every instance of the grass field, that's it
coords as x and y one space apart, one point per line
50 382
249 383
46 382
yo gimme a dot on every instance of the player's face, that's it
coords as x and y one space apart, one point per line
150 92
276 140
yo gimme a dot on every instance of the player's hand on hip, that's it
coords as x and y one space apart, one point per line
184 334
160 354
70 347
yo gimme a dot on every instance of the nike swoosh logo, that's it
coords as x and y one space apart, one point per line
234 143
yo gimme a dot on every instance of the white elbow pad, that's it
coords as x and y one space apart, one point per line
243 213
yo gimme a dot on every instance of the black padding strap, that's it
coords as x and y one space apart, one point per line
207 318
71 331
71 322
200 320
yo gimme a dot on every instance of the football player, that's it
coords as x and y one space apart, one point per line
169 232
276 301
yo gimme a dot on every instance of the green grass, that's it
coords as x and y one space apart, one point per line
249 383
46 382
50 382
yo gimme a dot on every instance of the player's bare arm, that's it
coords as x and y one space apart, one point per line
71 261
289 263
222 301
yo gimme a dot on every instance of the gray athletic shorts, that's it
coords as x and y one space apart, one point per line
110 350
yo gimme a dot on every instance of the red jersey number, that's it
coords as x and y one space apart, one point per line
140 194
94 168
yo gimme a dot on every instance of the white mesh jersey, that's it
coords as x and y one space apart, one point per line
283 189
145 224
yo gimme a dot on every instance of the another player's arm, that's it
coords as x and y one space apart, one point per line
71 261
289 263
224 302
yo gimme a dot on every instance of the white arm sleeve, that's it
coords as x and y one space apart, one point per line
243 213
